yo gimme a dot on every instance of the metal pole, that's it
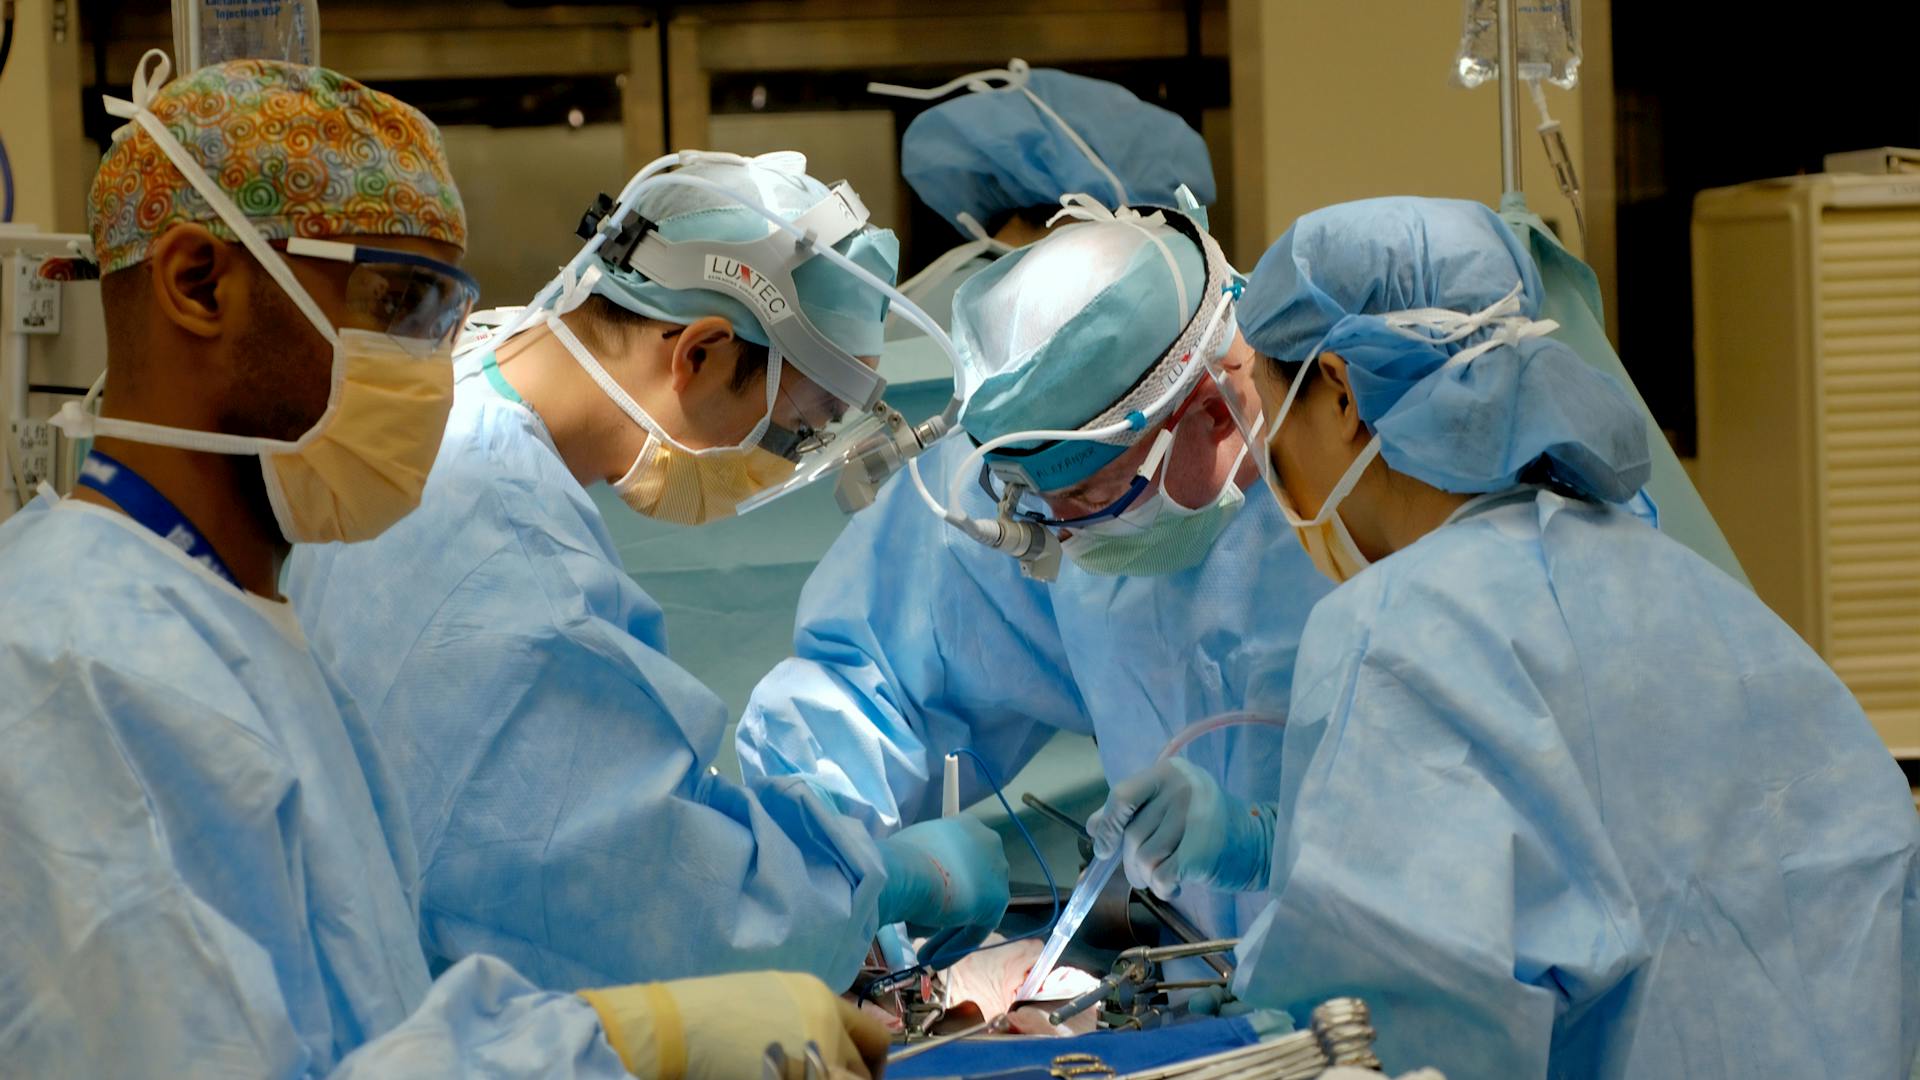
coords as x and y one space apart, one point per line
1509 98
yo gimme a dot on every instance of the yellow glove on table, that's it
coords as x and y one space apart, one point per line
719 1028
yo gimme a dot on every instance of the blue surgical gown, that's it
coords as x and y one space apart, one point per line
555 763
914 640
1560 798
202 867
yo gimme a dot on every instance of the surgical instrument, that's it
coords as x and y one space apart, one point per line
984 1027
1136 967
1095 879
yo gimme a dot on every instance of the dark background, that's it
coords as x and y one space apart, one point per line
1708 95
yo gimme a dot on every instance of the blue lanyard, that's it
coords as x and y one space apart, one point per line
131 492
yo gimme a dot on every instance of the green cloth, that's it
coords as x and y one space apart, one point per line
1573 300
491 366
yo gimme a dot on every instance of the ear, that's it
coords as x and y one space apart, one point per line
196 278
1215 415
698 341
1334 368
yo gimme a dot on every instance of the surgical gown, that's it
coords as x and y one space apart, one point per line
1570 296
914 640
201 866
1559 798
555 762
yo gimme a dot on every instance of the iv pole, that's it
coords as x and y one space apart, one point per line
1509 30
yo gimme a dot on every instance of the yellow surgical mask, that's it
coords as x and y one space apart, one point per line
1328 544
687 487
365 464
1324 536
360 468
671 481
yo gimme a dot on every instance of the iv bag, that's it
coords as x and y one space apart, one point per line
214 31
1549 42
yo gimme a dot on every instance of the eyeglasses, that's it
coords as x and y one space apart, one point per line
793 444
1023 501
418 301
814 432
1031 506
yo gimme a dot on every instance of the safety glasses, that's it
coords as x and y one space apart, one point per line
816 415
1028 504
418 301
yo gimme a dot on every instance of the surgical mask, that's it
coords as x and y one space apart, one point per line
673 482
364 464
1328 544
1324 536
1161 537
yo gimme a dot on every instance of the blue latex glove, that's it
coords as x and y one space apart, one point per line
1216 1001
948 875
1177 826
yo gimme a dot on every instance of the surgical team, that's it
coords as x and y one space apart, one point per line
337 741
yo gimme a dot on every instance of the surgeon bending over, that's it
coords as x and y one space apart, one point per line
204 863
1558 797
914 639
556 762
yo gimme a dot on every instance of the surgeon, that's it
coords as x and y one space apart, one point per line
995 161
204 864
1558 797
556 762
915 638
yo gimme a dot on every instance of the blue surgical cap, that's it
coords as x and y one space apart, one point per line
1324 287
848 311
990 151
1054 334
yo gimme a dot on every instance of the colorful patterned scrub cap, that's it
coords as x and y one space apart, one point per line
304 151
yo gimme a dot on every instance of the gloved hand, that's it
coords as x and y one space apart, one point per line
1216 1001
719 1028
948 875
1177 825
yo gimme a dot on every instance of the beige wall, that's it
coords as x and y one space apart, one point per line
858 146
525 189
40 120
1347 100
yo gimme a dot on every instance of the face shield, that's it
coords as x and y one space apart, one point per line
825 405
1014 468
1102 498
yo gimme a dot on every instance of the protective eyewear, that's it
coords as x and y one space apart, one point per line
1020 498
418 301
816 426
1023 502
